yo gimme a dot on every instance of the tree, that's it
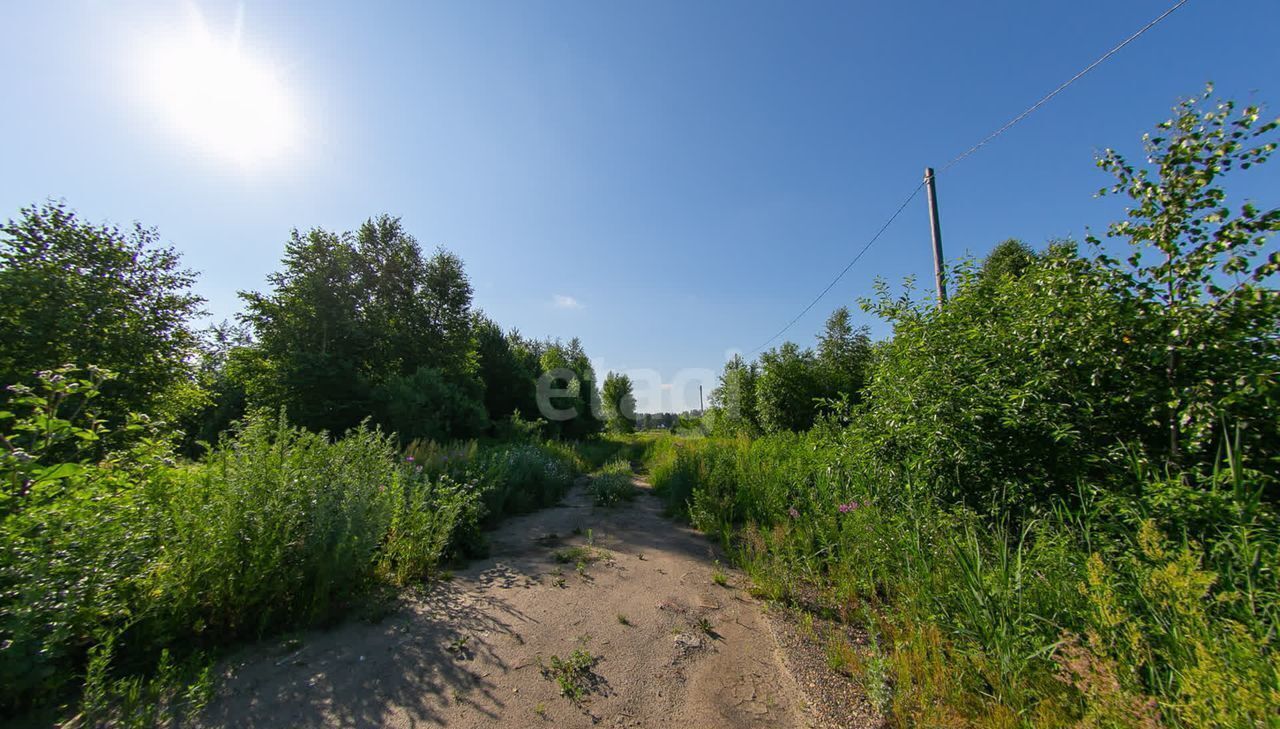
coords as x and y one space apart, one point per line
787 389
225 366
310 328
1010 257
506 369
619 403
1205 287
734 400
566 369
1085 369
844 354
95 295
354 322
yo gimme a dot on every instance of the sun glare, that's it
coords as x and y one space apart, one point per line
218 97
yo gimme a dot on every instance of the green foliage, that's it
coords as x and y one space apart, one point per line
787 389
574 675
1055 503
1078 365
1009 259
524 478
612 484
76 536
575 410
619 403
425 404
304 516
1083 615
225 369
733 402
355 321
1027 380
844 354
111 558
77 292
429 516
363 324
507 371
1211 317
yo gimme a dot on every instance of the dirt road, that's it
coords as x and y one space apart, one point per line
667 646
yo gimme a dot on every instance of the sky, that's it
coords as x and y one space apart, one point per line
670 181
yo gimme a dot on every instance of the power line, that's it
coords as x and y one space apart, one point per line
1031 109
839 276
986 140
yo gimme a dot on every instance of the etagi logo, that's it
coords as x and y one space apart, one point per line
562 394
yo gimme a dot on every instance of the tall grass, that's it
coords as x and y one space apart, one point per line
127 565
1096 613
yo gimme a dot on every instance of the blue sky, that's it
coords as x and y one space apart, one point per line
669 181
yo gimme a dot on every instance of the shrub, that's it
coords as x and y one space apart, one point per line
612 484
112 559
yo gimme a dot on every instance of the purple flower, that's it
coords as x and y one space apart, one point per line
794 514
846 508
408 459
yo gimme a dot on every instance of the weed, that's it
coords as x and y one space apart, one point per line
576 555
574 675
458 646
719 577
613 484
840 654
623 619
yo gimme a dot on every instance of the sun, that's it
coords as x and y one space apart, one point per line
217 96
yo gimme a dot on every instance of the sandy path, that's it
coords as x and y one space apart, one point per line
467 654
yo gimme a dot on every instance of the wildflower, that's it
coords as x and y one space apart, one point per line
408 459
794 514
846 508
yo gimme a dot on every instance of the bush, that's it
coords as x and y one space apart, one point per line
123 556
429 405
612 484
278 528
1055 505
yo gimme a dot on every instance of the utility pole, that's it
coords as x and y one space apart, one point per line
936 229
700 408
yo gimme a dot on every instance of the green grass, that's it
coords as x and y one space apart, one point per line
574 675
612 485
719 576
1091 612
118 574
575 555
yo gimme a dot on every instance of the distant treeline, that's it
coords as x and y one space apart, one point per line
354 325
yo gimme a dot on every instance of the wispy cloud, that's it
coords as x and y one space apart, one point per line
560 301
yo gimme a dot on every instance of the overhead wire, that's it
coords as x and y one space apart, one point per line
971 150
1063 86
839 276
